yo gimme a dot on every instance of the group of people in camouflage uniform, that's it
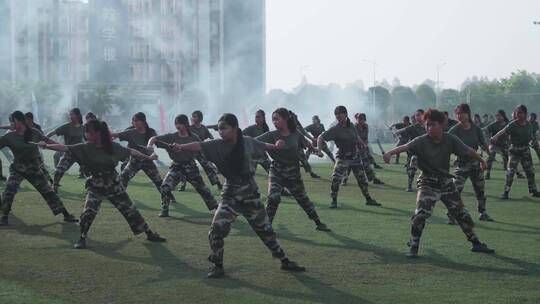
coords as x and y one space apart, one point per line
428 141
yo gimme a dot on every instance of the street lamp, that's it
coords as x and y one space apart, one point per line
374 64
439 67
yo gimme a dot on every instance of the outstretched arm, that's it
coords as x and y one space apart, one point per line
472 154
191 147
53 146
140 155
496 137
396 150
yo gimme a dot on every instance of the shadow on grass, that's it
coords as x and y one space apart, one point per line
319 291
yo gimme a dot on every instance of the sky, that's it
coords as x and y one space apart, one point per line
328 41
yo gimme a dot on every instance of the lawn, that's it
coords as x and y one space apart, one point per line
361 261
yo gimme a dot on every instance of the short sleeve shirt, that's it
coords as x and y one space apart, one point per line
219 152
72 134
22 151
289 153
202 132
136 140
171 138
434 158
94 157
346 139
520 135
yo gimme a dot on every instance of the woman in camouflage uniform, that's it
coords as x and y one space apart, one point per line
285 168
316 129
466 167
233 155
433 152
259 128
521 134
501 146
99 157
28 165
346 137
203 133
137 138
73 134
367 158
411 132
183 166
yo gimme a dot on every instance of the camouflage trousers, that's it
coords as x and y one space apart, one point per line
412 167
108 186
430 190
241 197
66 161
520 154
304 161
150 169
287 176
400 142
471 169
537 151
264 162
493 151
33 173
367 165
186 171
341 168
209 168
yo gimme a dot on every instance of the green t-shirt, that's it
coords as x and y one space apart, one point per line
136 140
22 152
346 139
95 159
171 138
219 151
363 132
315 130
434 158
494 128
413 131
289 153
202 132
519 135
253 131
472 137
72 134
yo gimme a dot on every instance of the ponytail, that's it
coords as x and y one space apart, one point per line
342 110
287 115
183 120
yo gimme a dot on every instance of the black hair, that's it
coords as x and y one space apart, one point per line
182 119
533 115
407 118
503 114
149 132
236 159
464 108
342 110
265 125
522 108
103 129
316 117
434 115
77 112
90 116
477 116
198 114
287 115
29 115
421 111
19 116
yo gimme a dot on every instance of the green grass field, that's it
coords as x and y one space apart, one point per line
361 261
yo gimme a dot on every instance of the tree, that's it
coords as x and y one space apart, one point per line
426 97
404 100
379 96
99 100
